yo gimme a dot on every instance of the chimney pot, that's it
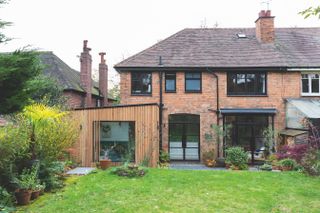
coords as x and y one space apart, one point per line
102 54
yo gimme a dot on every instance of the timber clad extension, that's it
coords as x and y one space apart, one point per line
246 75
145 120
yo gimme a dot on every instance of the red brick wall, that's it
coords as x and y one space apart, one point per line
279 87
76 99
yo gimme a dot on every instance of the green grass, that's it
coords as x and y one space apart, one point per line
164 190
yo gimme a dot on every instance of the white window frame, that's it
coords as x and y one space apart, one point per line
310 93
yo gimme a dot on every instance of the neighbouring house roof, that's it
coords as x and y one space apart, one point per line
221 48
309 107
248 111
292 132
67 77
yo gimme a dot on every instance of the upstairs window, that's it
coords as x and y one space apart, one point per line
141 83
193 82
170 82
310 84
247 83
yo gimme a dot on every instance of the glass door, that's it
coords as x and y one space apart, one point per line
184 137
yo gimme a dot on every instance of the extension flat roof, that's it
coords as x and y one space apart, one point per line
248 111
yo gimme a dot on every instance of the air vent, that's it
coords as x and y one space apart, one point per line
241 35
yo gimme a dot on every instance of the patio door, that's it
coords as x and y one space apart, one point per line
184 137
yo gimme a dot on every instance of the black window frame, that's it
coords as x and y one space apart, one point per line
132 80
255 93
185 82
173 78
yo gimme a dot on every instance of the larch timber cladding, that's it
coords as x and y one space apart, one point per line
146 118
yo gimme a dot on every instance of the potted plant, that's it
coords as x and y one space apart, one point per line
105 163
24 183
236 158
37 190
208 158
287 164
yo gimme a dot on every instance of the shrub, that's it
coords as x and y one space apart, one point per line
129 170
288 163
28 179
266 167
237 157
14 142
209 155
52 131
311 162
164 157
51 175
295 152
6 201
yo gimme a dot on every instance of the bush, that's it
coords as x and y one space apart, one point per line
14 143
51 175
52 131
210 155
164 157
6 201
295 152
287 163
237 157
28 179
311 162
129 170
266 167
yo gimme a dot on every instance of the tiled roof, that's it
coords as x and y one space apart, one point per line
67 77
221 48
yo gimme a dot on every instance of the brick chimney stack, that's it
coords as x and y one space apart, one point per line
103 79
85 73
265 27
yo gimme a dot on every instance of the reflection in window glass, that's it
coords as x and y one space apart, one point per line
117 141
141 82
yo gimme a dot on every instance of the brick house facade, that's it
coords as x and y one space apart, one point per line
209 67
79 88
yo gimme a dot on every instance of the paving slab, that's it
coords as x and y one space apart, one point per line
80 171
199 166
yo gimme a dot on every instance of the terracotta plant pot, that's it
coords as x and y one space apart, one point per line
210 163
23 196
286 168
35 194
104 164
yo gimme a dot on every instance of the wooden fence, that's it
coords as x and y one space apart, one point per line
145 117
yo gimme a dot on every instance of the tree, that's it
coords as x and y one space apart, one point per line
17 69
311 11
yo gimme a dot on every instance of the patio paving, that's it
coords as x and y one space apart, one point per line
80 171
199 166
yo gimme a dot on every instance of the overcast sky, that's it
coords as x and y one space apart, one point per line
122 28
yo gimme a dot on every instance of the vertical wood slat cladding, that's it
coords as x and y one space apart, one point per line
146 118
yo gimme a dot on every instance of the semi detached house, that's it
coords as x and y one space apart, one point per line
244 80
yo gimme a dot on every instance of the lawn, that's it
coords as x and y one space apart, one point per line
164 190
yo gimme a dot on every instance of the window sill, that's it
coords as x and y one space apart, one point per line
310 95
231 95
141 95
170 91
193 91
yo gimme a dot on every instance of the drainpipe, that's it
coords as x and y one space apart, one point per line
160 105
217 104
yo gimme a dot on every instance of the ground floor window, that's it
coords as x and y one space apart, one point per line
249 132
114 140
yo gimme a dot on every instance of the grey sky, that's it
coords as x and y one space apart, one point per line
124 27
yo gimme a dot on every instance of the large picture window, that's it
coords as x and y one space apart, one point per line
310 84
141 83
170 82
193 81
117 141
247 84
